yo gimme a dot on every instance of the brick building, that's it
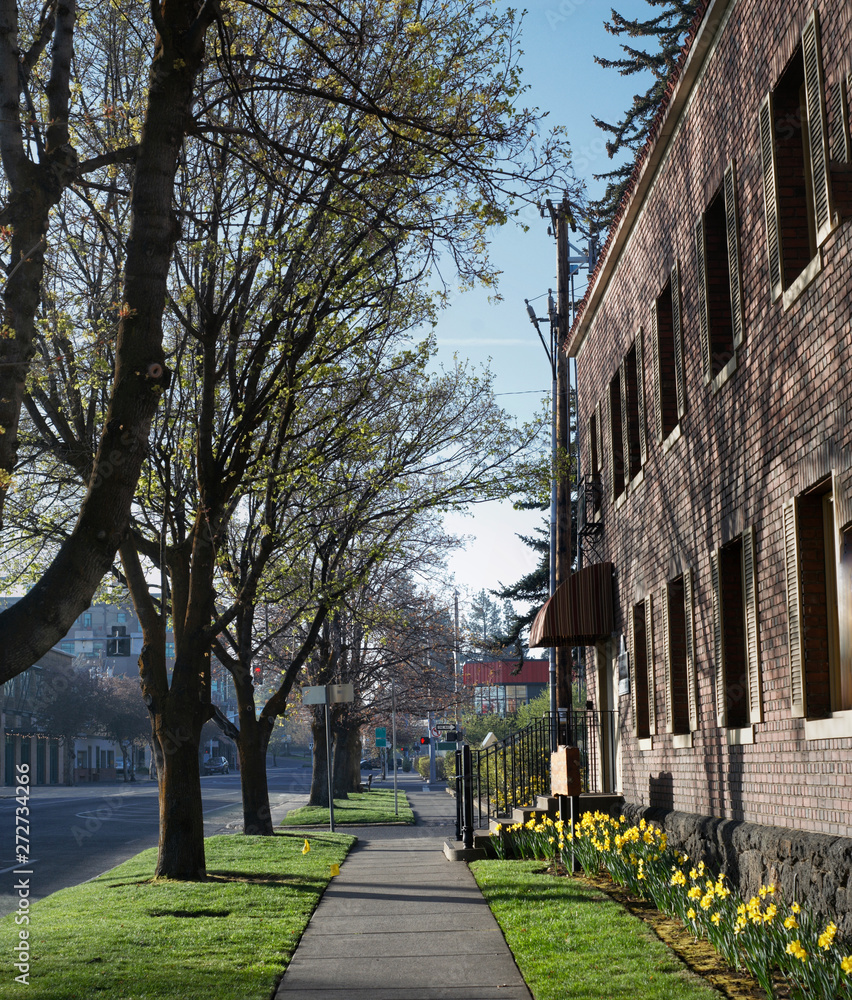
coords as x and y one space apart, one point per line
714 352
500 688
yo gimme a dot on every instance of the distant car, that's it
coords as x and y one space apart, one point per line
216 765
370 764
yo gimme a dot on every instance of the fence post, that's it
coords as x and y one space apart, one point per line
467 797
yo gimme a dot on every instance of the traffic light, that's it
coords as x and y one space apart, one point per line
425 741
257 673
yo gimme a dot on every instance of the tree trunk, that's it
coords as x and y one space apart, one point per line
177 728
319 773
69 760
252 744
346 738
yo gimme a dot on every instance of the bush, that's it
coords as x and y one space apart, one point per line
406 764
423 767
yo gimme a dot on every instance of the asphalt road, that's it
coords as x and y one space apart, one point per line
78 833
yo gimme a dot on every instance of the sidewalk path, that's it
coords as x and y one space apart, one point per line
401 922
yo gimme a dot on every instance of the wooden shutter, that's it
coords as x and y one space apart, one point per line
691 673
667 660
703 322
680 379
631 652
752 644
770 197
718 645
794 610
611 432
733 240
655 360
640 397
840 138
817 128
649 656
629 472
599 433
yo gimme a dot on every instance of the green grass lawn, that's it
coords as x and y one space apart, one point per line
361 808
572 942
123 937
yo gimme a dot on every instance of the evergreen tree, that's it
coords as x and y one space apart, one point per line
665 32
532 588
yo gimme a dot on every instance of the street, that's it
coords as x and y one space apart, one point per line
77 833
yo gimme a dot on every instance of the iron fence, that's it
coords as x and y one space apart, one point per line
513 771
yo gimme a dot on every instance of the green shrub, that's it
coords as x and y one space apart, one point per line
406 764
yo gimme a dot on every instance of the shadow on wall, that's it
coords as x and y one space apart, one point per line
661 791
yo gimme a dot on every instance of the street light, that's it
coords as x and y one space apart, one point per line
550 351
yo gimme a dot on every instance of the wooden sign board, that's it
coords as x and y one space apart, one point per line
565 771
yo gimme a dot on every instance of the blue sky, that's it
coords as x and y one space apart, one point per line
559 42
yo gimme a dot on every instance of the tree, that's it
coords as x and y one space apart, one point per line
532 589
122 717
66 708
665 32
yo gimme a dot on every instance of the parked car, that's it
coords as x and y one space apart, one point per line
216 765
370 764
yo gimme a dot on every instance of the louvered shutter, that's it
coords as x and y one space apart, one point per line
733 240
649 656
718 645
631 650
625 428
667 659
770 197
817 128
680 378
703 322
640 397
752 644
611 432
655 359
600 435
691 674
794 610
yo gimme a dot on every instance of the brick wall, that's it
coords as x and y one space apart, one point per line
779 424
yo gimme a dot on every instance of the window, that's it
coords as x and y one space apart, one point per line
633 410
87 620
67 647
736 650
642 686
679 651
818 558
796 179
617 480
667 349
593 443
720 310
121 618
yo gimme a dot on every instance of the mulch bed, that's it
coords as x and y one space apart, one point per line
698 955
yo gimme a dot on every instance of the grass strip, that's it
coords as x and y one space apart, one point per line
360 809
125 937
572 942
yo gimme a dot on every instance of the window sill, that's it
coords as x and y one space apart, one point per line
646 744
620 500
675 435
724 375
838 726
637 480
801 283
740 737
682 741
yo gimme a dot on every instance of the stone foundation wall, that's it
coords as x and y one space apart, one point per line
814 869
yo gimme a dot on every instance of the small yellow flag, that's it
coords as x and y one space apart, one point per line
335 870
306 848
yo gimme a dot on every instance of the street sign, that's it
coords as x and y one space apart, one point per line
446 746
340 694
433 731
381 736
445 727
313 695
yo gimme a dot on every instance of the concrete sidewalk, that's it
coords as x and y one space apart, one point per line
401 922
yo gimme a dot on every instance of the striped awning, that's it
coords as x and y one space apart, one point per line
579 613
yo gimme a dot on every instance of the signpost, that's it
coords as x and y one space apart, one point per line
328 694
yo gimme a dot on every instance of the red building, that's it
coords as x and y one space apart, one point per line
714 354
498 690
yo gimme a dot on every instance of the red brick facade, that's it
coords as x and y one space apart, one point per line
751 432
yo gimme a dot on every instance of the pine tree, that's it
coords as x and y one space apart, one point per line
532 588
666 32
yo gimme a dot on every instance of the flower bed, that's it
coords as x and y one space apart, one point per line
763 935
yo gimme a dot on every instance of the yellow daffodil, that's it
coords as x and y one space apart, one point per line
795 949
846 964
791 923
826 939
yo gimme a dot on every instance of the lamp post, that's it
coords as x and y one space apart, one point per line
550 351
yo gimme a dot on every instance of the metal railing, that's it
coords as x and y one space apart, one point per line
513 771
